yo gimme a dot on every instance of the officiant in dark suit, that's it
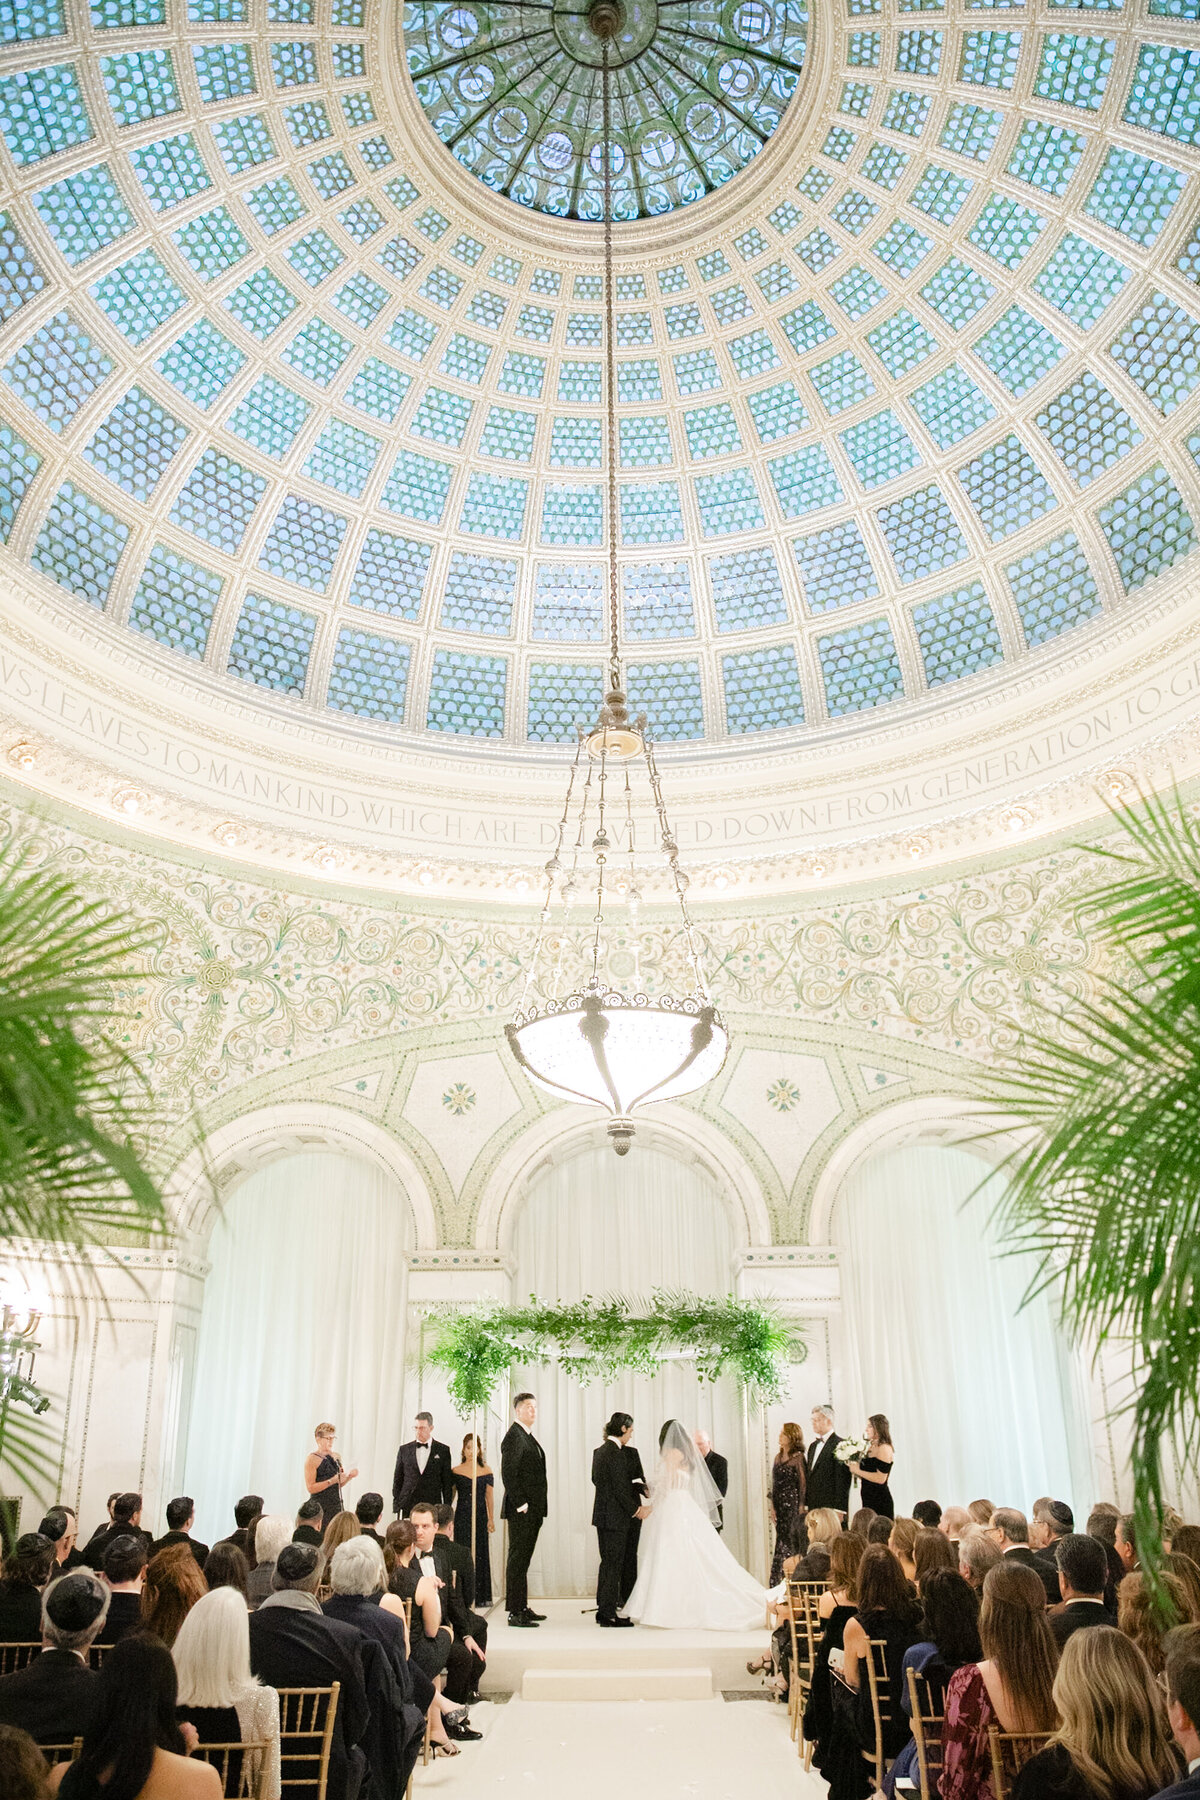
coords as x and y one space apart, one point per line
717 1466
617 1514
422 1470
828 1480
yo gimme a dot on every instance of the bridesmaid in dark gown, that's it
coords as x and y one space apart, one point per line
473 1473
324 1476
874 1470
788 1484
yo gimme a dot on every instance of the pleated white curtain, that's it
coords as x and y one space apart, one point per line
983 1396
594 1225
303 1320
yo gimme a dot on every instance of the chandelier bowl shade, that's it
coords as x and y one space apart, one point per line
620 1051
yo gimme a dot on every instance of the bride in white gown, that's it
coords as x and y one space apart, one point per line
687 1579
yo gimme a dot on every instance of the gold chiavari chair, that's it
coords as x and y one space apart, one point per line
928 1705
804 1601
1011 1750
61 1753
242 1768
881 1708
306 1720
17 1656
97 1654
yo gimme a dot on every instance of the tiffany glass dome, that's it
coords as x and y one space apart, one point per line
297 411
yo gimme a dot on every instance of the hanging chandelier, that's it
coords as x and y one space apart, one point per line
598 1045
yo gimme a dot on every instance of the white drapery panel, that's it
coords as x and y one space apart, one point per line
593 1225
983 1396
303 1320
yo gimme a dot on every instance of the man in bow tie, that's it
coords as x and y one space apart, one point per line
422 1470
523 1473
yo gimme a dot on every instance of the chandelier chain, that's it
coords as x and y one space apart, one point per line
600 846
610 376
671 852
553 870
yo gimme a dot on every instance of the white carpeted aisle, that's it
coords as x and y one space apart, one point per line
642 1750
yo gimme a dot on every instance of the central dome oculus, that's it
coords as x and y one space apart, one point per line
514 91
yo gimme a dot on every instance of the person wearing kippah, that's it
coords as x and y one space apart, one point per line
54 1698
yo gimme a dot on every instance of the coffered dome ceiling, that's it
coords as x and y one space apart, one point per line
294 406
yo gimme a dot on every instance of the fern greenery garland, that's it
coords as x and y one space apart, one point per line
596 1340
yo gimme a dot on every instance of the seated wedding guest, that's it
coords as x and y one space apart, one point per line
1140 1619
822 1526
368 1512
1102 1525
1009 1531
125 1572
134 1747
218 1695
978 1554
1183 1707
981 1511
1082 1575
308 1528
181 1516
1187 1574
879 1531
1125 1541
293 1644
341 1528
271 1533
24 1771
172 1587
949 1638
25 1573
902 1541
126 1522
1010 1688
54 1697
357 1578
459 1555
431 1641
226 1567
860 1524
1112 1742
954 1522
887 1612
61 1527
246 1513
932 1550
101 1529
1053 1520
462 1681
834 1750
928 1513
1186 1542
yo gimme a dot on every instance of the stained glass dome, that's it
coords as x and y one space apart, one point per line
292 406
514 90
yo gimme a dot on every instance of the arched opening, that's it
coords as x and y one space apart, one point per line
984 1397
588 1224
303 1320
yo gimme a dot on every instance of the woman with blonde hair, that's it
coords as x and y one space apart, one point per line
902 1542
217 1692
1136 1616
1186 1571
789 1481
324 1476
174 1582
340 1529
1012 1687
1114 1742
981 1511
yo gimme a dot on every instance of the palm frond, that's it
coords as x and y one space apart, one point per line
1105 1195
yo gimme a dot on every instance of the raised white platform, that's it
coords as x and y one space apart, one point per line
631 1683
571 1641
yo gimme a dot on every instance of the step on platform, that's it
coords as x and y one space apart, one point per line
628 1683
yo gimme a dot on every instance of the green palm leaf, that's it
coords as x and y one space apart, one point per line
74 1109
1106 1194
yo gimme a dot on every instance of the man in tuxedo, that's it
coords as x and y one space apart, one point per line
1009 1531
1052 1521
246 1514
422 1469
126 1522
125 1574
827 1479
523 1473
435 1558
1082 1573
718 1468
617 1512
308 1524
293 1644
1183 1707
461 1561
181 1516
368 1512
54 1697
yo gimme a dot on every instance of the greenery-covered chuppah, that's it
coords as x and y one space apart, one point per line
595 1340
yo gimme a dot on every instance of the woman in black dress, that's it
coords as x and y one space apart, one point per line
324 1476
788 1483
473 1477
874 1471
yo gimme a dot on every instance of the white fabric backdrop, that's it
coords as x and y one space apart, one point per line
593 1225
303 1320
983 1397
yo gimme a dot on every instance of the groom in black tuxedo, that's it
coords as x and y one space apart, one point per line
828 1480
617 1513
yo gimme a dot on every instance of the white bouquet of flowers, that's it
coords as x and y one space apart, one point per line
851 1449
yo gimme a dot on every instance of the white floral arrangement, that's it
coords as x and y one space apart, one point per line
851 1449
